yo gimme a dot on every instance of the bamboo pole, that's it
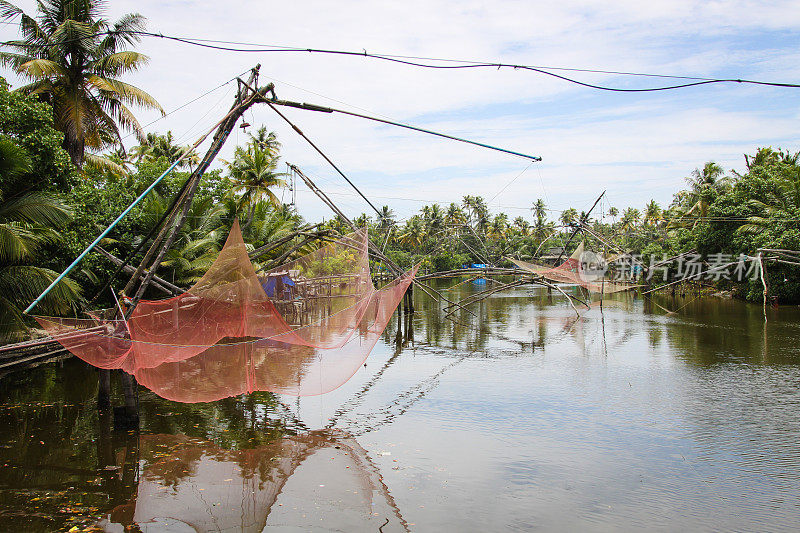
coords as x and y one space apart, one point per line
241 105
158 282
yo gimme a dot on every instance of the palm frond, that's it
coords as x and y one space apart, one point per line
104 164
9 10
124 91
38 208
119 63
14 160
40 68
24 283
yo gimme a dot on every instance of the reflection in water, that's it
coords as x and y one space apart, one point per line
522 418
324 479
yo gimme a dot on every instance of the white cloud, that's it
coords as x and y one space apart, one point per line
637 145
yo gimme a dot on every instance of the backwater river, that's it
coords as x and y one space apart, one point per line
521 417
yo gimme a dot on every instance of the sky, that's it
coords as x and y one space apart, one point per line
635 146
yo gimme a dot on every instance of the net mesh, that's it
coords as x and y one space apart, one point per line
198 486
583 268
303 328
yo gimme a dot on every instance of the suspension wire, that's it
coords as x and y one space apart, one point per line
414 61
471 65
315 147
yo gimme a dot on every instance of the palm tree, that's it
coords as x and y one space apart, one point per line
653 214
499 226
414 232
73 59
705 184
434 218
252 174
781 201
539 211
522 226
267 140
385 218
613 212
27 224
630 218
477 210
454 217
154 146
569 216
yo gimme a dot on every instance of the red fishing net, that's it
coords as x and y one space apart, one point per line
303 328
189 484
583 268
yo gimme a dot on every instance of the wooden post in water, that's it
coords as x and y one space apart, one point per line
127 417
104 389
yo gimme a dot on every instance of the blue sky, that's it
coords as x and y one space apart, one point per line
636 146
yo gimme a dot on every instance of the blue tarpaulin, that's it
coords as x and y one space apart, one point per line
271 282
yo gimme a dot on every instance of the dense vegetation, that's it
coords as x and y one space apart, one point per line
732 214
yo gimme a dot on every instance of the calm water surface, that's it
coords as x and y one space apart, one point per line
522 418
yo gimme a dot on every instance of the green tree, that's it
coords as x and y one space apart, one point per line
385 218
630 218
253 174
27 226
522 226
29 123
782 200
154 146
569 216
653 214
691 206
73 59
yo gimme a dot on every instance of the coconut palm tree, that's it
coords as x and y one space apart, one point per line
385 218
630 218
569 216
414 232
477 211
267 140
522 226
455 216
434 218
539 210
154 146
73 59
613 212
252 176
653 214
692 206
27 224
499 226
540 228
783 200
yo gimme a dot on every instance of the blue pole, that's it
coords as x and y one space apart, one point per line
102 236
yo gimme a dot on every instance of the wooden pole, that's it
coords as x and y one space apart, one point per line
158 283
242 104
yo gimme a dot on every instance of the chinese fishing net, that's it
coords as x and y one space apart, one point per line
190 484
583 268
303 328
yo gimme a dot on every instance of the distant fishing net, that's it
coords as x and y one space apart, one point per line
583 268
303 328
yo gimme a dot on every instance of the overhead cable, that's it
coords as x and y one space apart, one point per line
431 63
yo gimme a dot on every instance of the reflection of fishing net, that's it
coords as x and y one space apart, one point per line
225 335
193 485
583 268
